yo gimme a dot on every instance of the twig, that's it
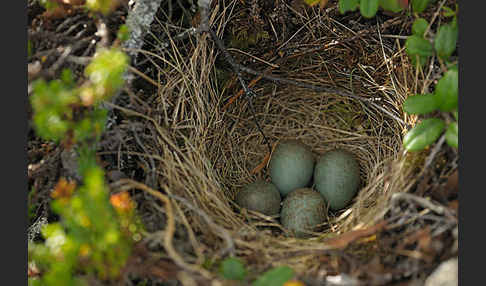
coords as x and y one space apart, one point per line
68 22
82 61
126 184
254 57
60 60
434 17
36 227
426 204
434 152
138 23
265 139
204 27
395 36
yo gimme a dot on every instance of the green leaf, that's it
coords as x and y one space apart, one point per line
391 5
275 277
103 6
233 269
90 127
106 71
50 126
368 8
48 4
67 78
419 6
50 103
447 90
123 33
445 41
419 26
452 134
421 60
311 2
347 5
448 12
424 134
456 115
421 104
417 45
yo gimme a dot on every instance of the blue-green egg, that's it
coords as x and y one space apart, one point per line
291 166
260 196
336 177
302 211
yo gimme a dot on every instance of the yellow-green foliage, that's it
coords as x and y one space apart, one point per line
103 6
87 239
244 39
105 72
91 236
52 102
49 5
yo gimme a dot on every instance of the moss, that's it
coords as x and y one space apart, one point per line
246 38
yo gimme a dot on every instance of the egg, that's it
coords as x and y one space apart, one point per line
260 196
302 210
336 177
291 166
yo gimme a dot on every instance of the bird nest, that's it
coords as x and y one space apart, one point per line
208 139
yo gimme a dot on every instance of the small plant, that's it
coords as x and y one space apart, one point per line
277 276
445 96
419 6
96 231
368 8
103 6
48 4
233 269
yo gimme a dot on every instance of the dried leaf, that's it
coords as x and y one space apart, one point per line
63 189
122 202
345 239
323 4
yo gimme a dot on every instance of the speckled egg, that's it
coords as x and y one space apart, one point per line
260 196
302 210
336 177
291 166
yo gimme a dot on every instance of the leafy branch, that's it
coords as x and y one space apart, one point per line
95 231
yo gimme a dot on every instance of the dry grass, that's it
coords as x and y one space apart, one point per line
203 154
